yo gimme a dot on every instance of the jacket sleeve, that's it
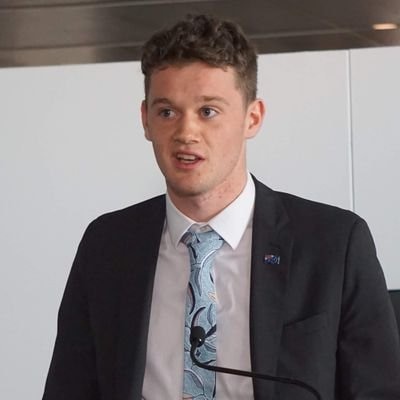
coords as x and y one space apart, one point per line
368 352
72 372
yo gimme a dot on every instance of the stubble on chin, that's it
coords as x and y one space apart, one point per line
184 190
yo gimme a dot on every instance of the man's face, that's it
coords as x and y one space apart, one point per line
198 122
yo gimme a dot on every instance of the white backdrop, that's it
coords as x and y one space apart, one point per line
72 147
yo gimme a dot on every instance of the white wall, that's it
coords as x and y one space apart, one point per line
71 147
375 87
303 146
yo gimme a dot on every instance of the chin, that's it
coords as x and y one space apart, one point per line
186 191
182 190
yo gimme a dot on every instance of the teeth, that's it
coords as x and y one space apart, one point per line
186 157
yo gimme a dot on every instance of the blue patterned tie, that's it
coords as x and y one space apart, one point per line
199 383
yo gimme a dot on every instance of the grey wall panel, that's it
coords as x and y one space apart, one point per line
71 148
375 109
304 145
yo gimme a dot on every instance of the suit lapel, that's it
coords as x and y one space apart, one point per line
271 237
135 298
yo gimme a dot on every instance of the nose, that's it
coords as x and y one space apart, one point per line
187 130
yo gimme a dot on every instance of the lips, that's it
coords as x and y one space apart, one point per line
188 158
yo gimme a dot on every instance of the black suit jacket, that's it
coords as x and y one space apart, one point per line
322 315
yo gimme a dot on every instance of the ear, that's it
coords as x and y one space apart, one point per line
143 110
255 116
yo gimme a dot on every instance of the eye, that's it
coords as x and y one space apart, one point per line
208 112
167 113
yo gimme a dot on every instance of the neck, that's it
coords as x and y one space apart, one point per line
202 208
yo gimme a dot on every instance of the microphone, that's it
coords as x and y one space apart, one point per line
197 338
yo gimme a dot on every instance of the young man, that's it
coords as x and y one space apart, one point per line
296 289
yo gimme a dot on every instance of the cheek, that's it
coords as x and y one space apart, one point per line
160 159
231 143
157 147
232 151
160 150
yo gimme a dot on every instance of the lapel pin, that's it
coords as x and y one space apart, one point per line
272 259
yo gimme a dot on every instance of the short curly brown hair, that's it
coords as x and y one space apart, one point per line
204 38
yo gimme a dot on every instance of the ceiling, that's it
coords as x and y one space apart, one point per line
51 32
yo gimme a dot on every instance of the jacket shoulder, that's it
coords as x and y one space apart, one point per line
305 216
305 208
318 222
132 218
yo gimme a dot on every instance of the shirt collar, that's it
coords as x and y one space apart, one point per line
230 223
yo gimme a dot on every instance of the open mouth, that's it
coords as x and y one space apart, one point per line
187 158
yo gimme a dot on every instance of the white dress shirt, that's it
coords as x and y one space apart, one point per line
164 363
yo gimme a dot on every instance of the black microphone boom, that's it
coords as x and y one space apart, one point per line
197 338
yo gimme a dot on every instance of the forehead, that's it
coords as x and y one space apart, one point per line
197 77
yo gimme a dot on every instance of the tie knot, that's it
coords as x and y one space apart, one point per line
202 245
209 239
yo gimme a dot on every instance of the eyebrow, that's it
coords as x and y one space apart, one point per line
165 100
160 100
213 98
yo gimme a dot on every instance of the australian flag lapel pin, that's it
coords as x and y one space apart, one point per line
272 259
